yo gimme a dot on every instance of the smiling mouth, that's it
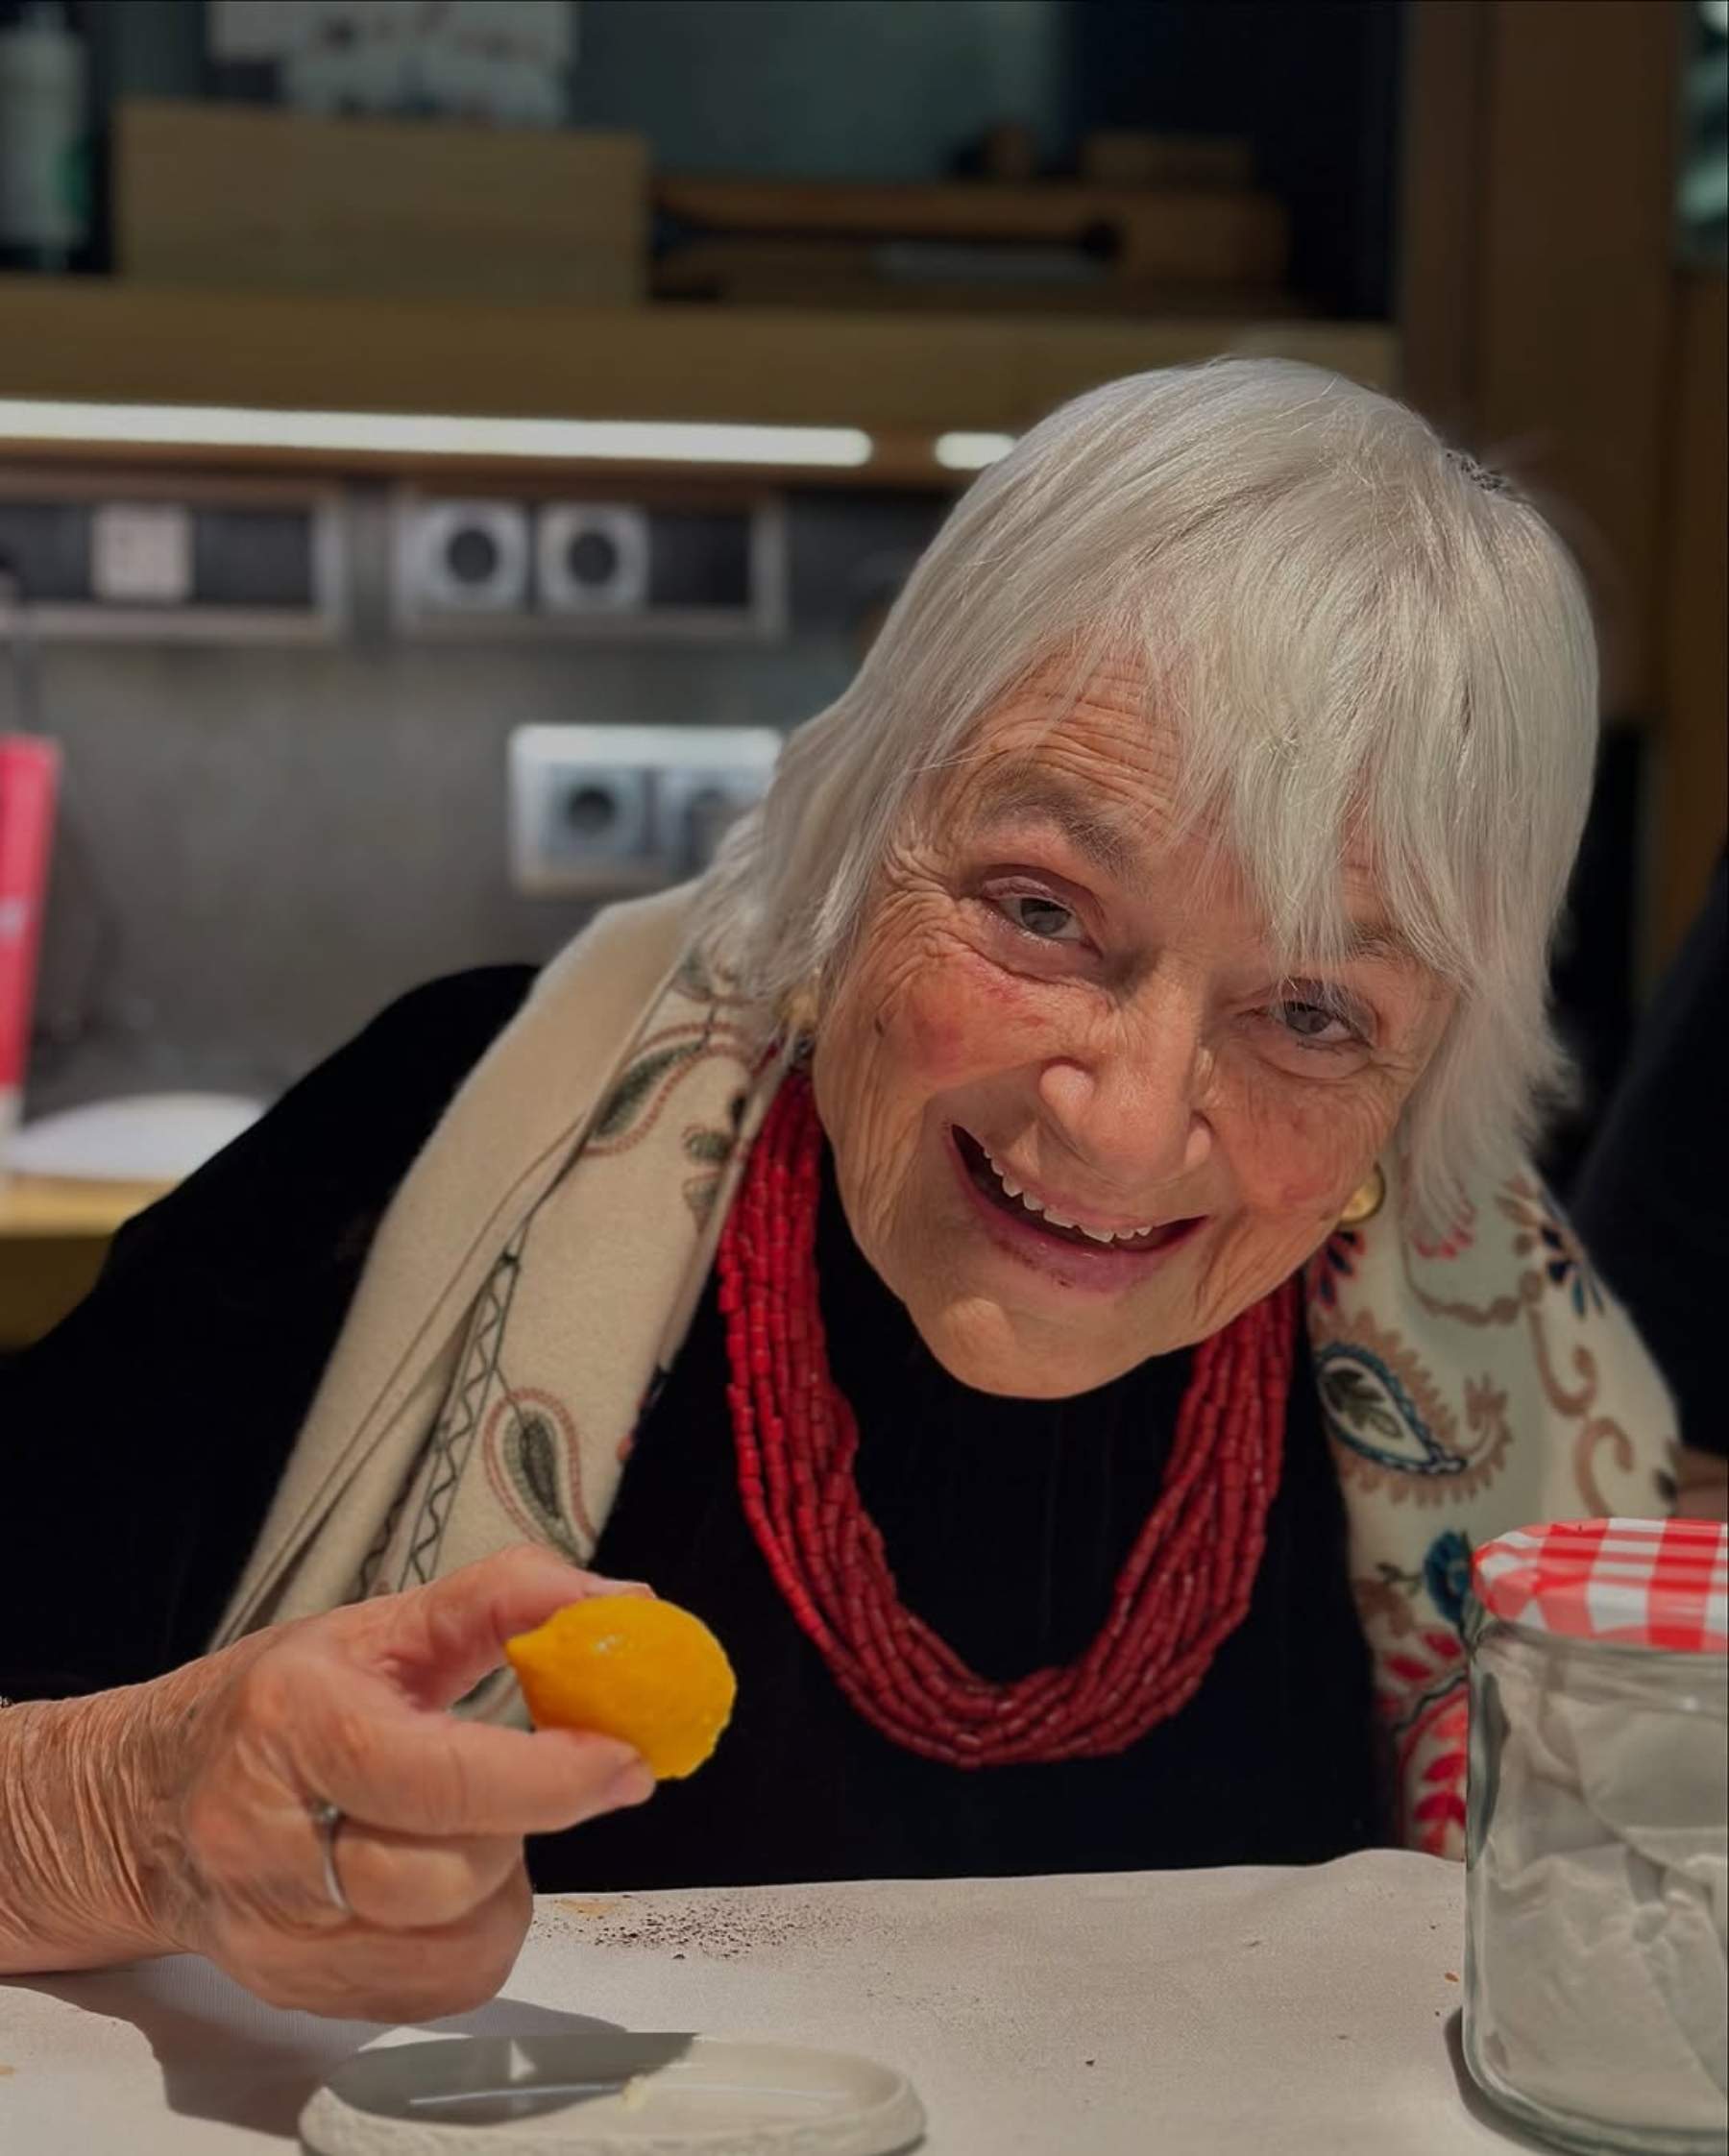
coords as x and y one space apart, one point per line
1027 1213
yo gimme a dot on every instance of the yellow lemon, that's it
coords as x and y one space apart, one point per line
629 1666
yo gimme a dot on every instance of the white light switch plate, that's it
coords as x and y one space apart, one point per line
141 553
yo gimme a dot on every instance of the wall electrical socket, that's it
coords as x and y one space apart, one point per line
140 553
465 558
592 558
602 811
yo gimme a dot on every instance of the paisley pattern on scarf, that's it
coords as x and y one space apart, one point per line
1392 1427
535 1466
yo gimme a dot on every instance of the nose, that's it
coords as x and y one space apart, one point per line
1128 1101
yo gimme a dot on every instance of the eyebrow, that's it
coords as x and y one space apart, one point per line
1023 791
1030 791
1371 942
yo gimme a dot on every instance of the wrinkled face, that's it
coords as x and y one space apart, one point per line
1079 1115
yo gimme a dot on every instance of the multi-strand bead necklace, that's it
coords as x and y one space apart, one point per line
1183 1589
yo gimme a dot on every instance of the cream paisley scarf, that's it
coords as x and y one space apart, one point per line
539 1264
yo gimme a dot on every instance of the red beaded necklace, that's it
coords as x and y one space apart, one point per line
1184 1589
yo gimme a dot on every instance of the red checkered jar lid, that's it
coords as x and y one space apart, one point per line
1626 1583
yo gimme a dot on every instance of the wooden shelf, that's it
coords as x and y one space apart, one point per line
64 1206
54 1237
903 377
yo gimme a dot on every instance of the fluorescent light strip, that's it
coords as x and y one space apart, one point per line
226 427
972 452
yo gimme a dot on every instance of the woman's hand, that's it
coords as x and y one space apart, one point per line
1701 1483
180 1815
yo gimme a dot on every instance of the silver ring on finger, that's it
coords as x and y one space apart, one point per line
328 1818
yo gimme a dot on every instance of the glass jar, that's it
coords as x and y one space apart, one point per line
1597 1835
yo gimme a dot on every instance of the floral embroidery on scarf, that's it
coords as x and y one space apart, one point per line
1447 1574
1421 1685
667 1058
700 982
1392 1598
694 981
1456 1239
629 1110
534 1464
712 1148
1431 1734
1554 1296
1335 1262
1543 1235
1385 1601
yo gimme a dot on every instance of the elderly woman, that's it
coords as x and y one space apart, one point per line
1032 1247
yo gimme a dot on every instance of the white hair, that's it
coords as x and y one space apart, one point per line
1357 632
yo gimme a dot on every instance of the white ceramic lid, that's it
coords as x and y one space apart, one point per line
615 2094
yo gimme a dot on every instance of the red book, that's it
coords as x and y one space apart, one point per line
29 773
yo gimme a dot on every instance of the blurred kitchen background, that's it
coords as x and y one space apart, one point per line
394 392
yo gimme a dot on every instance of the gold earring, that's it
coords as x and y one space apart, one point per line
1366 1200
797 1014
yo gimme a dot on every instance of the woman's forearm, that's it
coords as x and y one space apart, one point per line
88 1870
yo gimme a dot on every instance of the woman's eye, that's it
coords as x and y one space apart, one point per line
1315 1024
1046 918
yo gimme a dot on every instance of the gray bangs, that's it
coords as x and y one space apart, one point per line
1369 649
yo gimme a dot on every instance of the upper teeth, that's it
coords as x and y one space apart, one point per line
1012 1189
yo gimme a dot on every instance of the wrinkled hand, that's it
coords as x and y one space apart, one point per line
350 1708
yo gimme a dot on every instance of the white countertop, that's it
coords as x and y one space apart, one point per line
1232 2013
